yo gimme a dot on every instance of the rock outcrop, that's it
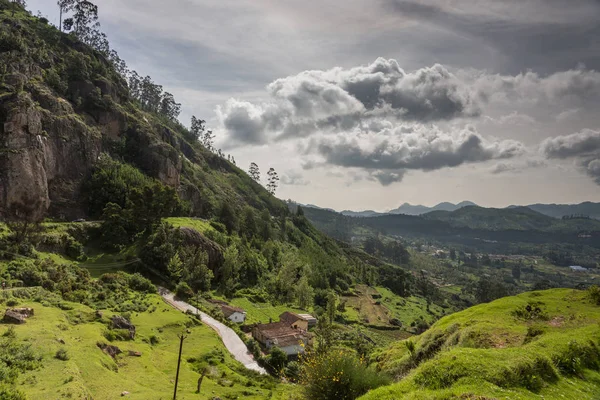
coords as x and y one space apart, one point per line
17 315
192 237
120 322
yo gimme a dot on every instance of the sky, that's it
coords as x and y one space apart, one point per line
368 104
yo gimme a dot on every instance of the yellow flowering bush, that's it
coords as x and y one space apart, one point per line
338 375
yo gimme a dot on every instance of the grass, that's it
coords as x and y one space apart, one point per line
409 309
87 372
200 225
489 351
262 312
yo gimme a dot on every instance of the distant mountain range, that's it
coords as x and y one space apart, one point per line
552 210
409 209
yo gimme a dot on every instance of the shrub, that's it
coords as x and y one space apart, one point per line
62 354
338 375
594 293
533 332
183 290
141 284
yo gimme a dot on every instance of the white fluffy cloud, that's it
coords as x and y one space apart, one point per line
339 100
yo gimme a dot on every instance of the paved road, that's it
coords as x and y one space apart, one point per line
231 340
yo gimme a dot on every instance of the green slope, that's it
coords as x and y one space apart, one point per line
501 350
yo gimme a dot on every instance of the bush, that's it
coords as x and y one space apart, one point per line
183 290
139 283
338 375
594 293
62 354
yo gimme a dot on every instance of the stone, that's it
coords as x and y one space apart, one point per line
133 353
13 317
109 349
120 322
26 311
124 393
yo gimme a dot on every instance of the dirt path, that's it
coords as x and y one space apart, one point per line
231 340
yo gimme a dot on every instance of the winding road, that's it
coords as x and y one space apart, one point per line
230 339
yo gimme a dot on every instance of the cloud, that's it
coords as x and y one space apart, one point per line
593 169
580 144
545 35
293 178
339 100
583 147
388 155
504 167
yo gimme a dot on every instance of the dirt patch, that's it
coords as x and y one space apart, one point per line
557 322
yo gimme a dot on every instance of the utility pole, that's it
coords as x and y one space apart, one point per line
181 339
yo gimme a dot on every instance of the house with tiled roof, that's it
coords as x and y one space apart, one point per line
290 334
234 314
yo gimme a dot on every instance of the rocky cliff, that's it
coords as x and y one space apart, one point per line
61 106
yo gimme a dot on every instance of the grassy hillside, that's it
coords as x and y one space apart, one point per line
90 373
535 345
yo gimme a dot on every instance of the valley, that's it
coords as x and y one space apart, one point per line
138 259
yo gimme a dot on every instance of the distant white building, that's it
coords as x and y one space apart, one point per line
578 268
234 314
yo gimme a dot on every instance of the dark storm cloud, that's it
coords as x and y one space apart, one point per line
580 144
583 147
546 35
424 149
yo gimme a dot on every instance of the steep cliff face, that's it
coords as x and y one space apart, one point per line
50 139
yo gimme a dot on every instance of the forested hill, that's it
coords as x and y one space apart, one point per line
487 229
82 136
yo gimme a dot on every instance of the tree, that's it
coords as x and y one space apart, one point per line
249 225
453 254
254 172
169 107
64 7
195 268
273 181
84 21
516 272
208 140
229 271
197 128
331 306
299 212
304 294
265 225
227 217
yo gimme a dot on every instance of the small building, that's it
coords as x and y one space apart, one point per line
578 268
289 334
294 321
234 314
312 321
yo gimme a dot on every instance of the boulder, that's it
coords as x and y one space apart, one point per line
120 322
109 349
133 353
12 317
124 393
26 311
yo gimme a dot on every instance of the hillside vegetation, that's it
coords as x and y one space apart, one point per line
535 345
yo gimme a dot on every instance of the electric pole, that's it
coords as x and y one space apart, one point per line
181 339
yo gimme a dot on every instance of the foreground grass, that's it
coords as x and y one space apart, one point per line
502 351
90 373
